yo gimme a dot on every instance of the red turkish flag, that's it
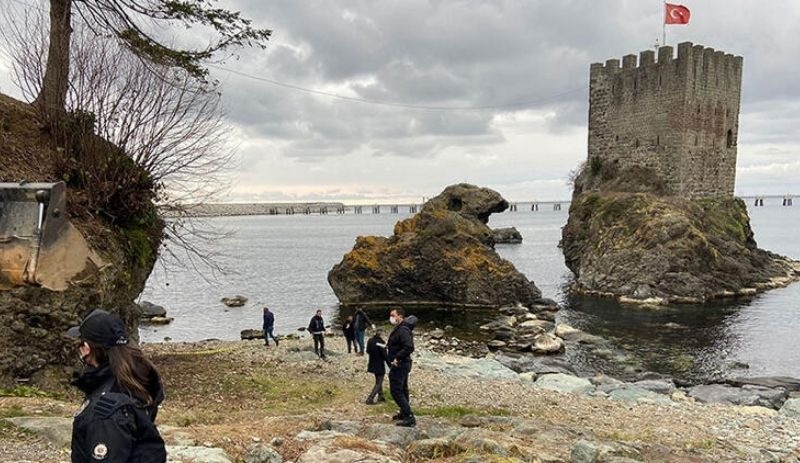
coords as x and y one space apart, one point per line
676 14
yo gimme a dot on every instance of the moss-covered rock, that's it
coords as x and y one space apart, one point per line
645 246
442 255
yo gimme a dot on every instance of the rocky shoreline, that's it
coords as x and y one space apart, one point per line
283 405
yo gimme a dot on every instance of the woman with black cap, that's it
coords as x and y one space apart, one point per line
123 390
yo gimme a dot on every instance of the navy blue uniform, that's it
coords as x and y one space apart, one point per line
399 347
376 349
112 425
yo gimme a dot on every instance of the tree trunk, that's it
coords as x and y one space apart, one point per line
52 97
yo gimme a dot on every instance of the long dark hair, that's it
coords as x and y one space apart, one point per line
134 372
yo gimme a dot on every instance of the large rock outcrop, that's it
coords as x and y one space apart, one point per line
111 273
626 238
442 255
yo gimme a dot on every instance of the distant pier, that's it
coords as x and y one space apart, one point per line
234 209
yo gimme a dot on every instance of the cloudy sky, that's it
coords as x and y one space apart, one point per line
489 92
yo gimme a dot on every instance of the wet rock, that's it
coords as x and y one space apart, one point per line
150 310
547 343
564 383
495 344
508 235
235 301
260 453
788 383
158 320
443 254
251 334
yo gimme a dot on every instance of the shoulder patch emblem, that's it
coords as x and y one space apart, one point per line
100 451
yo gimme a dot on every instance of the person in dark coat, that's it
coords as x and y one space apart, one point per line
122 393
399 348
376 349
349 334
269 327
317 329
360 323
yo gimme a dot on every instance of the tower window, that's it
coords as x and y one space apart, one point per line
658 140
636 144
729 139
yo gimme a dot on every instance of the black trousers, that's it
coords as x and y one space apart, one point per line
377 390
351 343
398 385
319 345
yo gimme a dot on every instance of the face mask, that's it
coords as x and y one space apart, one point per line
393 320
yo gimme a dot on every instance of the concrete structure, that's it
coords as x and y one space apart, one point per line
678 116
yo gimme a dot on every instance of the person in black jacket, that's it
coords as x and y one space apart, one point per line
269 327
317 329
399 348
376 349
123 391
360 324
350 334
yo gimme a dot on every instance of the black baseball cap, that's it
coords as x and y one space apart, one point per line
101 327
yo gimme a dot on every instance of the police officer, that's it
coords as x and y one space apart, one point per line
123 390
399 348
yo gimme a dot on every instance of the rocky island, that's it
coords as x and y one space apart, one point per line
653 217
443 256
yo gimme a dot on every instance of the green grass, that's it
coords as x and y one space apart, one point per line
457 411
25 391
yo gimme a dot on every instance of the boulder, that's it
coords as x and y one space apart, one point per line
747 395
251 334
560 382
150 310
791 408
432 449
628 240
633 393
260 453
442 255
56 430
196 454
235 301
158 320
547 343
540 365
508 235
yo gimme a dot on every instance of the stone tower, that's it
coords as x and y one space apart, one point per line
678 116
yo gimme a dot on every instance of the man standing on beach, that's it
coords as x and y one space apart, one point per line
317 329
360 323
399 348
269 326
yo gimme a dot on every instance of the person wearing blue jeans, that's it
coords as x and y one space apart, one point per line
360 323
269 326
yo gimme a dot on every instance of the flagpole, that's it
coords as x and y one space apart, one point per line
664 23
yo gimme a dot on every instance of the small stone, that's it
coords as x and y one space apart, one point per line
495 344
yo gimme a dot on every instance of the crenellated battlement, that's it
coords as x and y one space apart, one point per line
677 114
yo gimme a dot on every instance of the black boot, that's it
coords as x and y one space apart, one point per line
398 416
408 422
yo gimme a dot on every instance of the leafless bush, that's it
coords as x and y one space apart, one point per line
139 133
